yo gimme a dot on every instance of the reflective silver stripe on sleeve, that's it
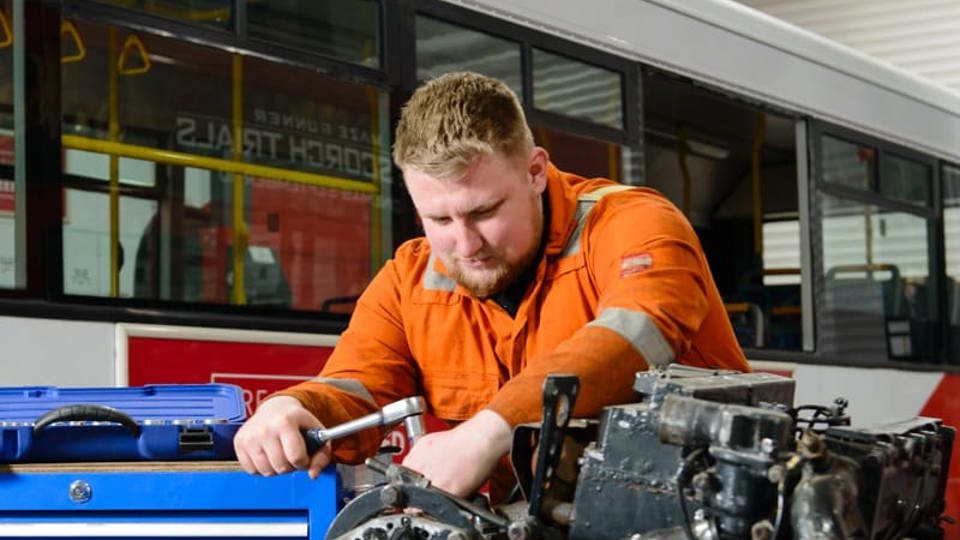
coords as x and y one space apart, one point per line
639 329
585 204
350 386
435 281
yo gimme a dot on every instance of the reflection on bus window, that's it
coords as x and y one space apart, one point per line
443 47
86 241
701 151
184 80
576 89
348 30
217 13
8 238
94 166
781 252
293 178
905 179
876 296
8 190
583 156
306 244
297 120
951 237
848 164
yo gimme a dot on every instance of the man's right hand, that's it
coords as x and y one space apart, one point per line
270 442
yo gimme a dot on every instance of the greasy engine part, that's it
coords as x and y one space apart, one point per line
706 455
825 500
383 512
903 469
628 479
744 443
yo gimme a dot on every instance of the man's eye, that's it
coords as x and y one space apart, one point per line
440 220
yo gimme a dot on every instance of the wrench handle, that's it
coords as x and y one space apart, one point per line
315 439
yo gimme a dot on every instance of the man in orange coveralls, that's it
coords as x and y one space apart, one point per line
525 270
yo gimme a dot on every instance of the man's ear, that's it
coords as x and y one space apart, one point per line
537 168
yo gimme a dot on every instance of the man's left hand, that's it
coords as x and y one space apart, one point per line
460 460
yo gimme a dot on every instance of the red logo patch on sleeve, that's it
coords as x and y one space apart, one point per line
635 263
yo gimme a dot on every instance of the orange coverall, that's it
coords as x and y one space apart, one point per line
623 285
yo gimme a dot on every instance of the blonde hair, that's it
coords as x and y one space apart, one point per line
455 119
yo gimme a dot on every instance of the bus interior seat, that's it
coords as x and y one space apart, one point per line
748 322
780 306
866 314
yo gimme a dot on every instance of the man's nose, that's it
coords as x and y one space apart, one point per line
468 240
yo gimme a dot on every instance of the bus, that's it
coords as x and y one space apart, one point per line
198 190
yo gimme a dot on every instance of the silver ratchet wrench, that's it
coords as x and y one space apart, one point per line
409 410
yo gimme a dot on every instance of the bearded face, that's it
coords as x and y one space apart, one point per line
486 225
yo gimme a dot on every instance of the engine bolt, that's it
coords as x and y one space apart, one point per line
391 496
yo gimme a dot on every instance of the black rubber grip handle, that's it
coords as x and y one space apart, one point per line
86 412
314 439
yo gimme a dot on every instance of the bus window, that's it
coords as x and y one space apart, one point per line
576 89
875 277
216 13
348 30
951 237
444 47
8 190
851 165
905 179
732 170
216 151
875 296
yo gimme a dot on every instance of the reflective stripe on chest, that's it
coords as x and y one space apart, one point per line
585 203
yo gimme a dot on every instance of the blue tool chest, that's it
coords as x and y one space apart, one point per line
157 422
145 462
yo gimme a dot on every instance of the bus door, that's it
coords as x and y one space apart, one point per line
731 167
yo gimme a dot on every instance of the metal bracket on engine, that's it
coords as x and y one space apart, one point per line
559 397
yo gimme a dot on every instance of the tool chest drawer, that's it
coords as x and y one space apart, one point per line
162 500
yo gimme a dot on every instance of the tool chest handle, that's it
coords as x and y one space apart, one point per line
86 412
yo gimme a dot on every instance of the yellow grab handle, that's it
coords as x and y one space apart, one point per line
5 28
133 43
68 29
